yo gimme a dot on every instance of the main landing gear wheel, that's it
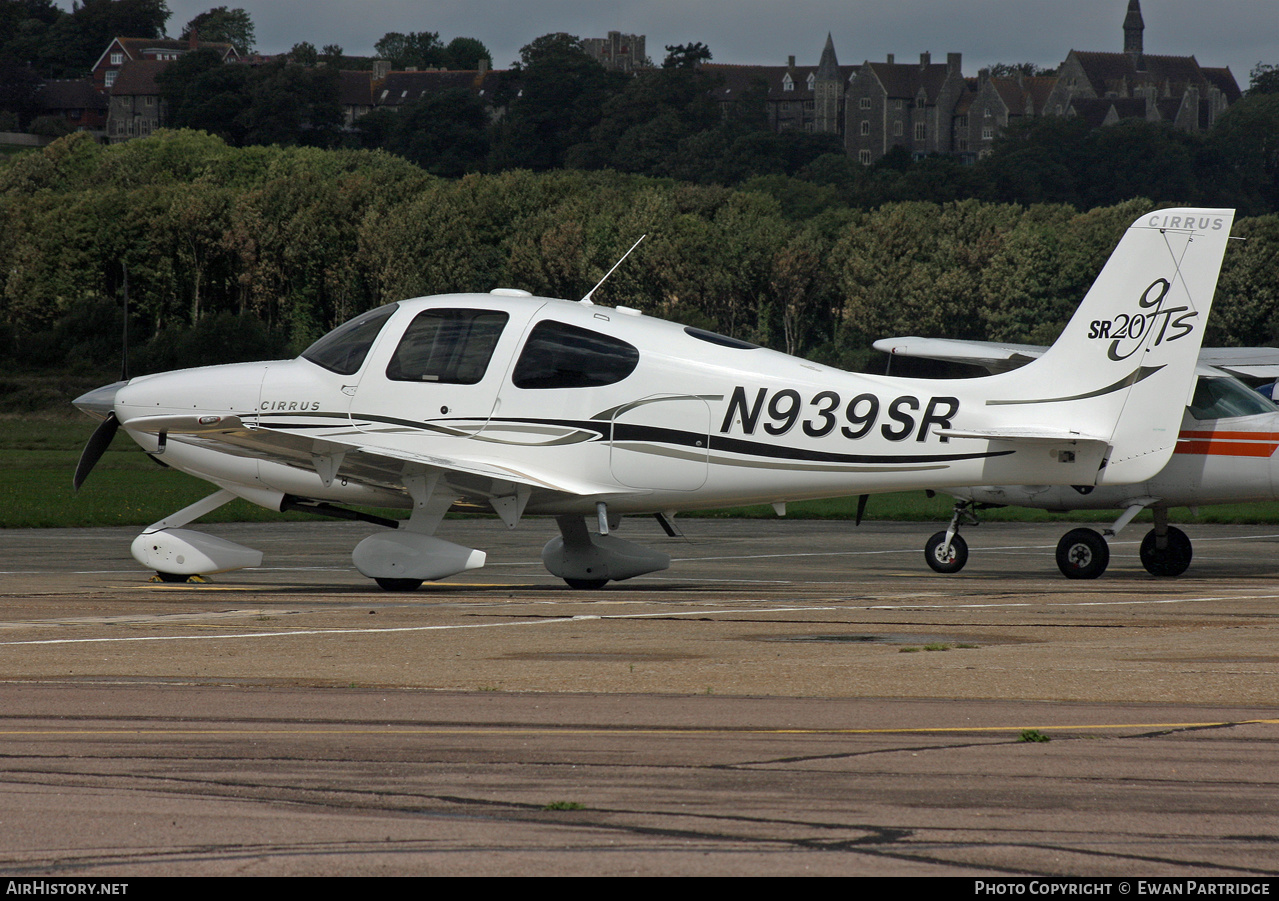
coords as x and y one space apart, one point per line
1172 560
399 584
1082 554
171 577
586 584
951 562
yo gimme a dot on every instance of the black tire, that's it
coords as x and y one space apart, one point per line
171 577
1172 560
586 584
949 563
1082 554
399 584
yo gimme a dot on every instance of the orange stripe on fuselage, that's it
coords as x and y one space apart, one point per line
1228 444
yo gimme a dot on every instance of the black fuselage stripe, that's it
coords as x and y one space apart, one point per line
631 432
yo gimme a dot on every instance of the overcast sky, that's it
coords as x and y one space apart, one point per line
1234 33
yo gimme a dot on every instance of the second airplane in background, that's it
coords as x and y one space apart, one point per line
1225 454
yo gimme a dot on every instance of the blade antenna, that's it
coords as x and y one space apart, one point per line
587 299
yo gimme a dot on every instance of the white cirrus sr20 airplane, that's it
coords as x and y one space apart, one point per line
1225 454
522 405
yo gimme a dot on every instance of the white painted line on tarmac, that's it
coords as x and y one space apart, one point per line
700 611
301 632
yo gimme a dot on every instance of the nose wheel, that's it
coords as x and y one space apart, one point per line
946 557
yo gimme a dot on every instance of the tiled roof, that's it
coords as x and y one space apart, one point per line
70 93
137 47
904 80
137 77
1038 87
1107 71
355 88
737 80
1224 80
405 87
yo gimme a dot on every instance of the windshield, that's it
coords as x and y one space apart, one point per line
343 350
1224 398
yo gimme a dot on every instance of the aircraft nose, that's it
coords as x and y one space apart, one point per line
100 401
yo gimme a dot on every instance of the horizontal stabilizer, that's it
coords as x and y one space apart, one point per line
1014 434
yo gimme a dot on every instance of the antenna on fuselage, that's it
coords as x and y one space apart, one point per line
587 299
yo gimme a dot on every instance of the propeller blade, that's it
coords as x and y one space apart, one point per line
861 507
93 451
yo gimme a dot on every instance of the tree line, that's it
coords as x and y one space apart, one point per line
243 253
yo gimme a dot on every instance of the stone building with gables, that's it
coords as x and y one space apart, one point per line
1106 88
798 98
136 108
906 105
994 104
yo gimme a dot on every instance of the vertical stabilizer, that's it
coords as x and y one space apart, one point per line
1123 368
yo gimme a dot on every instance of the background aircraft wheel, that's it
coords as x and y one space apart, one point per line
1172 560
171 577
1082 554
946 563
586 584
399 584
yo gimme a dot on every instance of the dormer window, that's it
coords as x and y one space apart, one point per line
812 80
787 83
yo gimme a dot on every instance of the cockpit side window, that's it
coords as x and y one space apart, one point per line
449 346
558 355
1225 398
343 350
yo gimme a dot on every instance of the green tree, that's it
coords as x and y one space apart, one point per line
686 56
230 26
446 133
1043 267
17 16
465 54
291 104
1242 153
642 126
75 41
560 98
917 269
417 49
1246 311
202 92
1012 70
1264 79
19 89
304 54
